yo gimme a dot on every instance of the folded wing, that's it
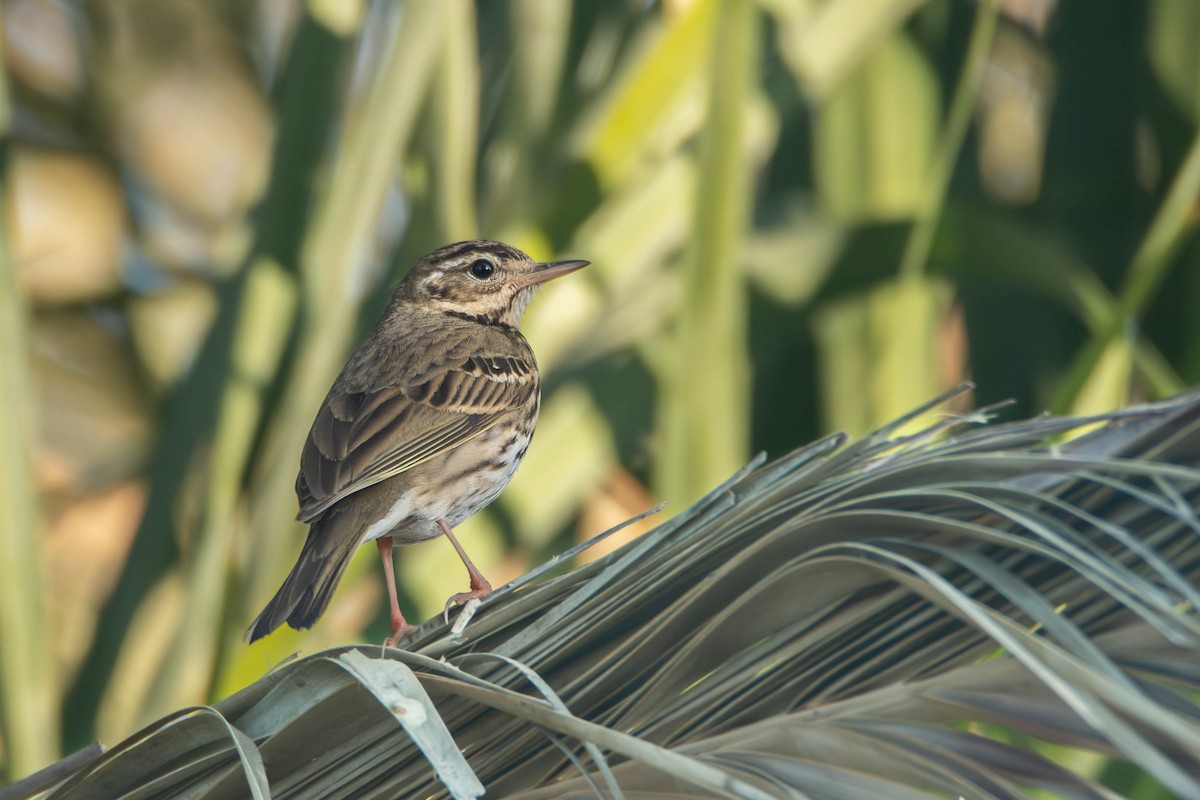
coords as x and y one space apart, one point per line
363 437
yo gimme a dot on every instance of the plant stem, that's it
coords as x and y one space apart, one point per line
28 689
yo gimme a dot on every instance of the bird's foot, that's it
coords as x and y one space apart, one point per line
476 593
398 633
462 598
480 589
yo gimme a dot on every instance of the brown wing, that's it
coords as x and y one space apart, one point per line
362 438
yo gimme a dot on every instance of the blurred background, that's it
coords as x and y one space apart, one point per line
803 216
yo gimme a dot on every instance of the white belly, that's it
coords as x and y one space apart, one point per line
460 484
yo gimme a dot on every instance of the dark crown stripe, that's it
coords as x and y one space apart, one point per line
482 247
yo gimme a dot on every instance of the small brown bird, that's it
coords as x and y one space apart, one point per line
424 427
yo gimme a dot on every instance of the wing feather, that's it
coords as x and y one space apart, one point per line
361 438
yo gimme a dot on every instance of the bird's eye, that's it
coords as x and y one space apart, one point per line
482 269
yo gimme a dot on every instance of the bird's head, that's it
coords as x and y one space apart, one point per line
482 280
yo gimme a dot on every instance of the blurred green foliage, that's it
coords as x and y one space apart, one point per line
803 216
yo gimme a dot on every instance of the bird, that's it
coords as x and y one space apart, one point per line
424 427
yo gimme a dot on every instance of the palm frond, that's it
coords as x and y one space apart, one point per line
854 620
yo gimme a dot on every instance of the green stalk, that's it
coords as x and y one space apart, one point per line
193 412
544 33
266 320
521 172
1095 304
704 414
28 689
1151 263
826 41
455 113
949 145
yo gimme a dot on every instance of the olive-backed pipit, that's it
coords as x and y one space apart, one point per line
424 427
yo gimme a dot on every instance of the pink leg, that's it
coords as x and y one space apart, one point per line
400 627
479 584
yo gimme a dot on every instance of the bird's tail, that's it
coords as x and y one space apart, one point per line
308 588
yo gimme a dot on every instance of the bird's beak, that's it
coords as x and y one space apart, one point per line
548 271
